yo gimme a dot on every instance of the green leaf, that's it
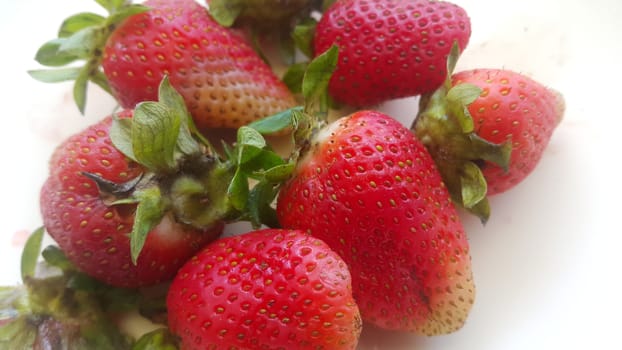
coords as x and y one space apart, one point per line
279 173
237 192
48 54
80 89
78 22
498 154
316 79
464 94
30 254
55 75
54 256
294 75
149 213
259 209
98 77
121 136
225 12
155 129
452 59
249 144
303 35
473 184
82 43
168 96
109 5
275 122
159 339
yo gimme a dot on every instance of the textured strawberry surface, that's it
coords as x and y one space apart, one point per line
371 191
390 48
268 289
514 108
223 81
95 236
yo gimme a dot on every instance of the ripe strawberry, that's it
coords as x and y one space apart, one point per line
267 289
389 48
94 235
129 200
223 81
487 130
514 108
370 190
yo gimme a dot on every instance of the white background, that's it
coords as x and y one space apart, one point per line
547 265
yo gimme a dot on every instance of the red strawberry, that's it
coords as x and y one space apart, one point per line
487 130
129 200
514 108
371 191
94 235
223 81
268 289
389 48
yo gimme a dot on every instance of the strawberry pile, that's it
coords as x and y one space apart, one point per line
356 223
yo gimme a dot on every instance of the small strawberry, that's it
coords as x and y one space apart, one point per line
389 49
223 81
487 130
129 200
267 289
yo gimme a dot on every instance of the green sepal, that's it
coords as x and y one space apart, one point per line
82 43
79 21
30 253
316 79
303 34
294 75
159 339
149 212
225 12
276 122
121 136
54 256
278 173
55 75
260 212
447 129
155 129
49 55
80 89
238 190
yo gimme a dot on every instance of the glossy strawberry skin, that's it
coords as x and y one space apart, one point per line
267 289
95 236
390 48
514 108
223 81
371 191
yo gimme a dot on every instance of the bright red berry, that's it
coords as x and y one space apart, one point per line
390 49
371 191
516 109
94 234
267 289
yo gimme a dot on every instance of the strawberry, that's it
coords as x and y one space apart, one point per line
515 108
223 81
371 191
389 48
129 200
94 235
267 289
487 130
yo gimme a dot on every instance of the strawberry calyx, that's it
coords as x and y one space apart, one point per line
82 37
446 128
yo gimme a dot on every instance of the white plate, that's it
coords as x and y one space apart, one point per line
545 265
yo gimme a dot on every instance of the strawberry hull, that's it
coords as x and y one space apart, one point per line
370 190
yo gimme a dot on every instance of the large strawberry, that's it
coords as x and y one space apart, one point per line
389 48
268 289
223 81
487 130
129 200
